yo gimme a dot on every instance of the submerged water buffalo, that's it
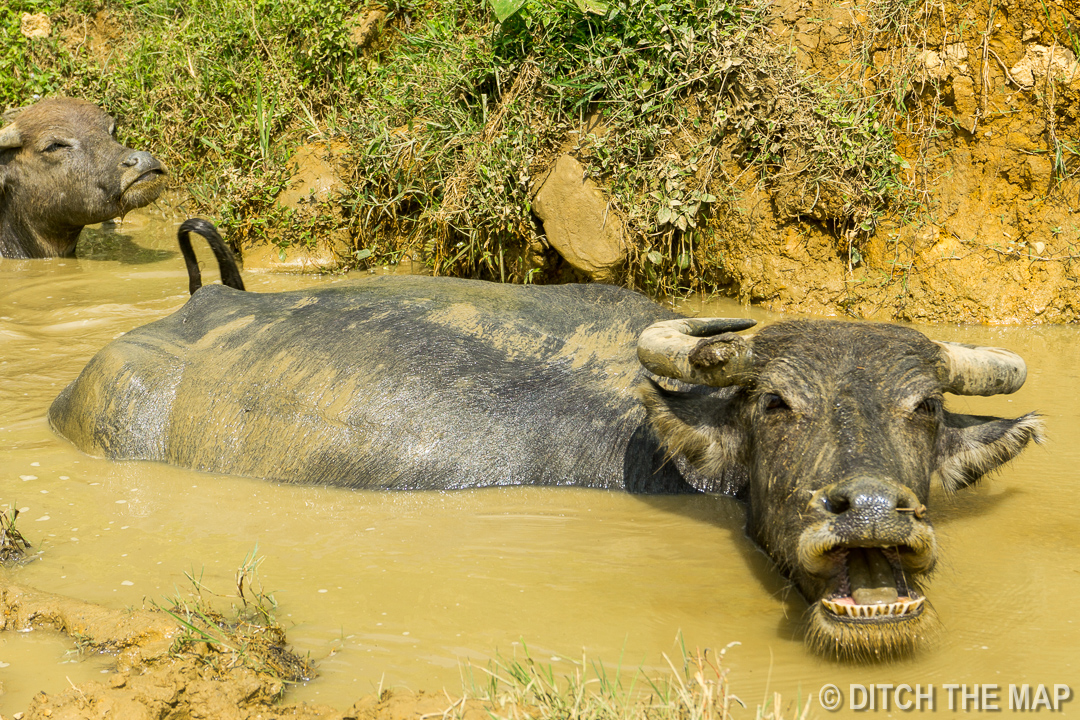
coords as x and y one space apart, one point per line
832 432
61 168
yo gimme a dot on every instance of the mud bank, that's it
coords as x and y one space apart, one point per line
156 677
871 158
976 220
986 228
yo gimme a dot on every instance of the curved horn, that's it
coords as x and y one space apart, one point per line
675 349
10 137
974 370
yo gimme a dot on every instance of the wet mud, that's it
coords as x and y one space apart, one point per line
151 678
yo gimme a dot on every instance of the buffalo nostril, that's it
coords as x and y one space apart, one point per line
837 504
916 509
871 496
141 158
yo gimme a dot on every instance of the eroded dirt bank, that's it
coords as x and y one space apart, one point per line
985 226
159 676
975 222
989 137
909 159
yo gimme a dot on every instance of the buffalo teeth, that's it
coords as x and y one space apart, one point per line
896 609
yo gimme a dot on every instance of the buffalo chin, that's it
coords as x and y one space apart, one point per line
884 637
143 191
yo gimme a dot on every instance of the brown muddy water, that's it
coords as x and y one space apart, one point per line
402 589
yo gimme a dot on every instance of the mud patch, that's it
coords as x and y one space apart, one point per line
157 674
99 36
310 231
35 25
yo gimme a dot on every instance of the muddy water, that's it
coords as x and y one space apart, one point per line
401 589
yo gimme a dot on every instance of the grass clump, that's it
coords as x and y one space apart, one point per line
13 546
247 635
697 689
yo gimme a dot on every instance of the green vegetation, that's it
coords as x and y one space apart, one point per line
13 546
451 116
246 635
696 690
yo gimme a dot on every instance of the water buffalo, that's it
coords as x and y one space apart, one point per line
832 432
60 169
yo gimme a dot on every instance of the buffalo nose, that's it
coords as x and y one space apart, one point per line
142 161
870 497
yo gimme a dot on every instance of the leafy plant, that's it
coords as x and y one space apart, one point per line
13 546
247 634
457 109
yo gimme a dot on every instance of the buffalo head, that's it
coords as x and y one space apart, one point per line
61 168
833 432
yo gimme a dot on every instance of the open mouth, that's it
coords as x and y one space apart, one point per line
871 586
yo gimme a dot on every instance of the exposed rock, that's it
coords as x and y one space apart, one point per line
366 28
940 65
578 221
36 25
315 178
1038 61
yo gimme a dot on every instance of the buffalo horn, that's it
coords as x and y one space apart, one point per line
974 370
10 137
665 348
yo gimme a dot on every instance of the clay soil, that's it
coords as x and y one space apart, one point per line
153 679
984 228
991 231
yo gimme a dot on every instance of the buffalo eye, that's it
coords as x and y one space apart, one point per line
772 402
927 408
53 147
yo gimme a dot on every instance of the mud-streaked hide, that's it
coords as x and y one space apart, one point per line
832 432
383 383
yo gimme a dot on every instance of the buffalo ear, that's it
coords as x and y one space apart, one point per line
972 445
697 430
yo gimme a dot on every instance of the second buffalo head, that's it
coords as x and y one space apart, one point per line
61 168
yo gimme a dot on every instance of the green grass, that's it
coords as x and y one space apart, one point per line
450 117
13 546
247 634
